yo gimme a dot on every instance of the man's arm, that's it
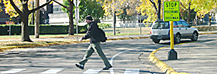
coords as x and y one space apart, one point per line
90 32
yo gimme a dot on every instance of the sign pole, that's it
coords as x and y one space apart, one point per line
171 13
172 54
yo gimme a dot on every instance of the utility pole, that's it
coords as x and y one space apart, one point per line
77 2
114 18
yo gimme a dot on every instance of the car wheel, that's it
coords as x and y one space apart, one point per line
156 40
177 39
194 36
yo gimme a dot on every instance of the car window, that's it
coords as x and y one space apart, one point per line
185 24
179 24
160 25
175 24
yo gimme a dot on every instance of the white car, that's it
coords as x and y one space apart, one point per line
160 30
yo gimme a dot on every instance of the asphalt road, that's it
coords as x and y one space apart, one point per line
126 56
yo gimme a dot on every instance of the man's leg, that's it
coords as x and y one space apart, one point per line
98 49
89 52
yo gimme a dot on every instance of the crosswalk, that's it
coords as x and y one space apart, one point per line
13 71
52 71
55 71
92 71
131 71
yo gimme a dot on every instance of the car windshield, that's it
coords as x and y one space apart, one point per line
160 25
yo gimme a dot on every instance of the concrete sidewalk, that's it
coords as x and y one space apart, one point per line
193 57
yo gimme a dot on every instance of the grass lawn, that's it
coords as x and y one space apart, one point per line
4 37
5 45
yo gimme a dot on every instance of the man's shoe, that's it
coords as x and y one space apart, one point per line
107 68
79 66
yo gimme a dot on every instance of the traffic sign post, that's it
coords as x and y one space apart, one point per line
171 13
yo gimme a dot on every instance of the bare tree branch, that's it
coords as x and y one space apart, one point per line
33 10
153 4
183 6
61 4
15 7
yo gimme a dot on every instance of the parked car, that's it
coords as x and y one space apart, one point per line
160 30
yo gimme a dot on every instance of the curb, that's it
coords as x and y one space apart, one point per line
163 66
160 64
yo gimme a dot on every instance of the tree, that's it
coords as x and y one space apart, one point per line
201 7
122 8
119 7
186 5
87 7
21 8
0 6
151 8
69 7
93 8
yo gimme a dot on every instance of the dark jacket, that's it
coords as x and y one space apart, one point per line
92 33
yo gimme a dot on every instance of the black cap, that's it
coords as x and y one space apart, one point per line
89 17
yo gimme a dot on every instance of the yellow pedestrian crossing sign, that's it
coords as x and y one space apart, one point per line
171 11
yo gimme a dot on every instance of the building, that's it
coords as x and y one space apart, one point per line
3 16
43 15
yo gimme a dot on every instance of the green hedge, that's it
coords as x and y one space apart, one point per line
104 25
44 29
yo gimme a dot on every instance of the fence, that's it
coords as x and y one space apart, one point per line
129 29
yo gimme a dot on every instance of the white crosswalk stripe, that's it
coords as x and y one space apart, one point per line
131 71
55 71
13 71
52 71
92 71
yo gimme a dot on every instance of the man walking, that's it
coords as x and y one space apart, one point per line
92 33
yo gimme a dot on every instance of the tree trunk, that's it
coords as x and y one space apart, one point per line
24 17
189 13
159 10
71 24
25 28
37 20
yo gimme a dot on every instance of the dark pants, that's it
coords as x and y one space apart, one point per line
95 47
